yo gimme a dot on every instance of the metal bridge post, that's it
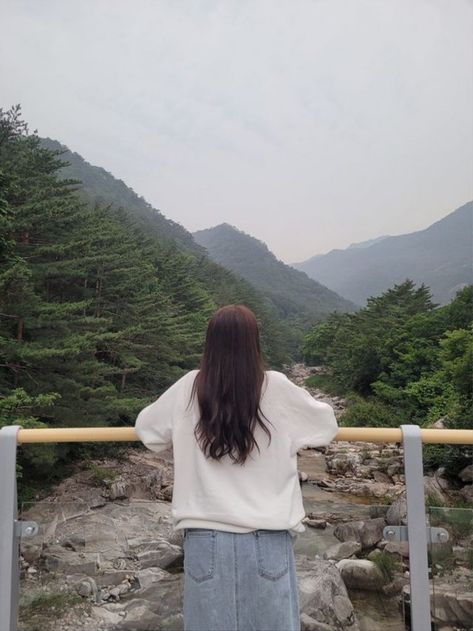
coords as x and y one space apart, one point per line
9 558
416 529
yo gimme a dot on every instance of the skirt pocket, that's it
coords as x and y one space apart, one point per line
272 553
199 554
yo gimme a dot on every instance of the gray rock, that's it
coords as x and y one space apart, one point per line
30 552
87 588
103 615
398 548
71 562
394 468
397 512
453 604
361 574
461 553
342 550
316 523
380 476
74 542
310 624
164 555
119 489
434 490
439 424
467 493
366 531
149 577
323 596
466 474
111 578
172 623
140 617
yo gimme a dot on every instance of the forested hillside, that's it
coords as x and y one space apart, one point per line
100 187
97 317
401 360
297 298
441 257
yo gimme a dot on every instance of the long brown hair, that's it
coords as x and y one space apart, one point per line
229 385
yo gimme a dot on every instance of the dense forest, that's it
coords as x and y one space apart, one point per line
97 315
402 359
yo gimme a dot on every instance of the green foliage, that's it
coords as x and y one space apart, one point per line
102 476
324 382
387 563
370 413
57 601
406 361
97 317
37 610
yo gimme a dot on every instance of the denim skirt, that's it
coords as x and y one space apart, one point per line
239 581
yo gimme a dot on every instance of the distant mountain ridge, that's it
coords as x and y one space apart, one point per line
292 292
104 188
368 242
440 256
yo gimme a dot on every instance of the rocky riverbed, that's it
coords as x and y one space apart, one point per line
106 557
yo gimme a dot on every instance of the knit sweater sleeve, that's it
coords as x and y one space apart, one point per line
154 424
310 423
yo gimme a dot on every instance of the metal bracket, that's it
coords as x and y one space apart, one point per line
400 533
26 529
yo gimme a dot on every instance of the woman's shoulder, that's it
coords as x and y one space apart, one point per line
184 382
276 377
275 374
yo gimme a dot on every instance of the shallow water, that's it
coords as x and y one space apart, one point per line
374 611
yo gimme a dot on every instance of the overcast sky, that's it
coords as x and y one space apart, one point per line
310 124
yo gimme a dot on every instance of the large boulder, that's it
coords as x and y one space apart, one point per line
342 550
361 574
435 491
158 553
55 559
323 597
397 512
452 604
467 493
466 474
368 532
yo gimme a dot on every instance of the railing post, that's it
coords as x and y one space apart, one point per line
9 558
416 529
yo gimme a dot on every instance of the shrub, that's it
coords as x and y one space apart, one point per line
370 413
102 476
387 564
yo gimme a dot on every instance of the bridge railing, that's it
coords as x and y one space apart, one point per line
418 531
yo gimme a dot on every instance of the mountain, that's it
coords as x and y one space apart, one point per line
101 187
292 292
368 242
440 256
182 260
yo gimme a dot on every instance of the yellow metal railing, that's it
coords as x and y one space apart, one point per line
352 434
410 437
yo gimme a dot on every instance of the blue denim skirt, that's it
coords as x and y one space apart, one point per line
239 581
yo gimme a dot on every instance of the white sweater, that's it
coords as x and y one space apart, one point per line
264 493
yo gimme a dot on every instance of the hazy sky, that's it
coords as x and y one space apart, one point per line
310 124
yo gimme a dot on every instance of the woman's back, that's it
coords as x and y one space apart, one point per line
264 492
235 429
